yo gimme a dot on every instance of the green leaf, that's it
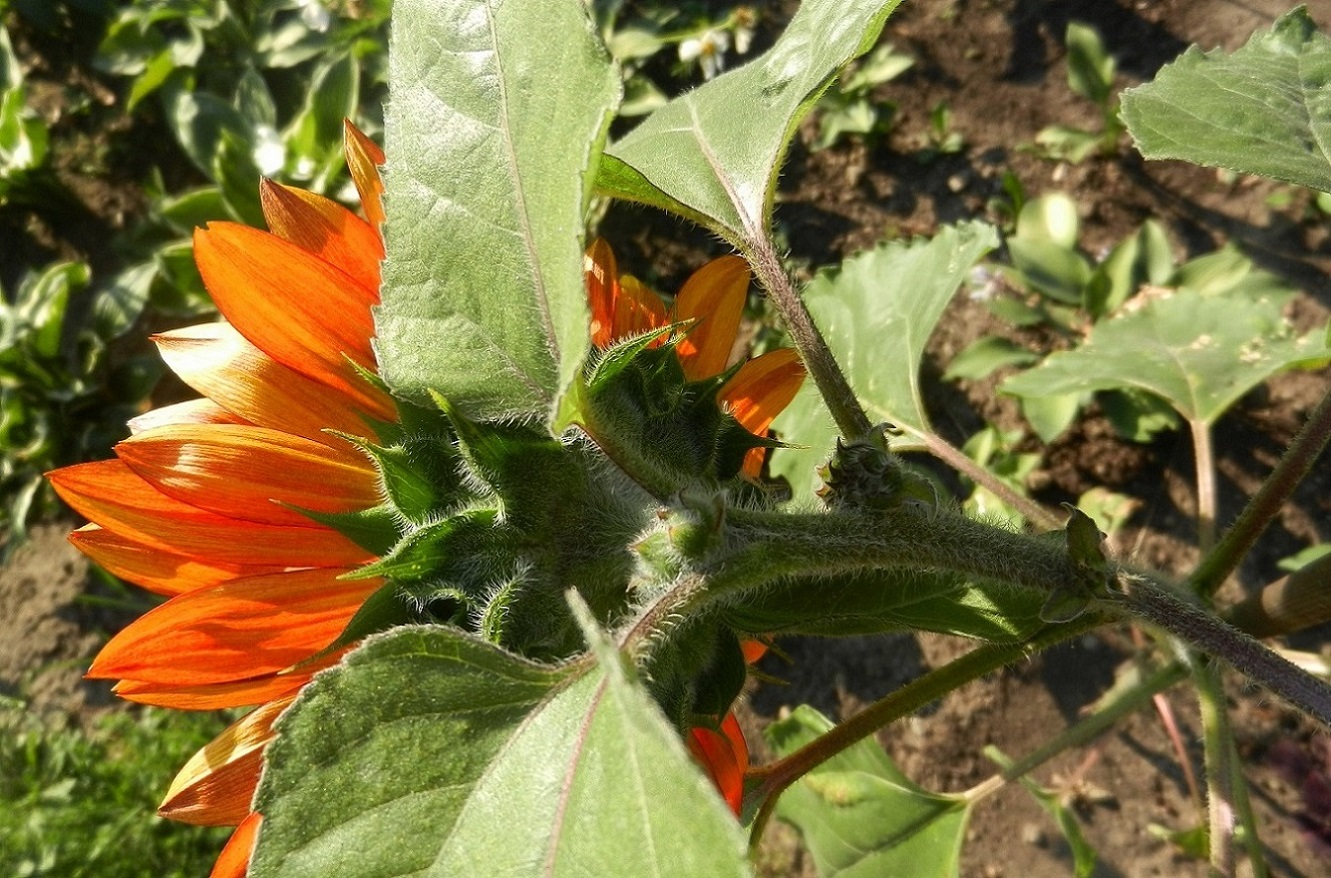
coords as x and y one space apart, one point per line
1264 110
1090 67
985 355
494 128
860 816
481 763
1200 353
702 156
877 312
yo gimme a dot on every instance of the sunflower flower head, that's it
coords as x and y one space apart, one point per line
663 396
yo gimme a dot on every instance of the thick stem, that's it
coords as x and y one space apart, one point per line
1164 609
775 778
952 456
1207 504
1265 505
1220 770
817 356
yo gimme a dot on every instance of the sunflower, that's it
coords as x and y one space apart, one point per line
216 503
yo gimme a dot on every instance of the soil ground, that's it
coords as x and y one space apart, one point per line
998 66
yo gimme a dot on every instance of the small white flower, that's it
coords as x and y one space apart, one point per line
314 15
708 50
745 19
270 153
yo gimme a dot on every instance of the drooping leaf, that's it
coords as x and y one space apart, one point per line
877 313
860 816
432 753
1265 109
702 157
495 124
1200 353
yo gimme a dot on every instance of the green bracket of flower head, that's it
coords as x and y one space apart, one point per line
701 156
1264 109
427 782
494 128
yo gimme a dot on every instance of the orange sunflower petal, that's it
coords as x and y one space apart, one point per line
234 631
234 861
724 755
758 392
325 228
108 493
215 786
363 159
713 297
637 310
194 411
250 473
217 361
309 316
151 568
215 696
601 275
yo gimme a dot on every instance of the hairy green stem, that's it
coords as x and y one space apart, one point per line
1204 461
1163 608
1265 505
952 456
776 778
817 356
1220 770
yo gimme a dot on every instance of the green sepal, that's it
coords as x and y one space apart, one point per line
527 469
375 529
419 474
455 550
385 608
665 431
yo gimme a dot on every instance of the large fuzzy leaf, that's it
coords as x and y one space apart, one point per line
432 753
877 312
497 115
713 153
1198 352
1264 109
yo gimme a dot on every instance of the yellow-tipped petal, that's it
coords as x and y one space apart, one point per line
250 473
637 310
713 297
234 861
363 160
108 493
150 567
218 362
194 411
601 276
239 630
216 785
325 228
758 392
298 309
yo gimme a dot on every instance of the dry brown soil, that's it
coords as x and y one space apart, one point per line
998 65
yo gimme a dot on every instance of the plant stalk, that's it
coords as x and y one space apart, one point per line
1207 503
817 356
1160 606
1218 751
1265 505
949 454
